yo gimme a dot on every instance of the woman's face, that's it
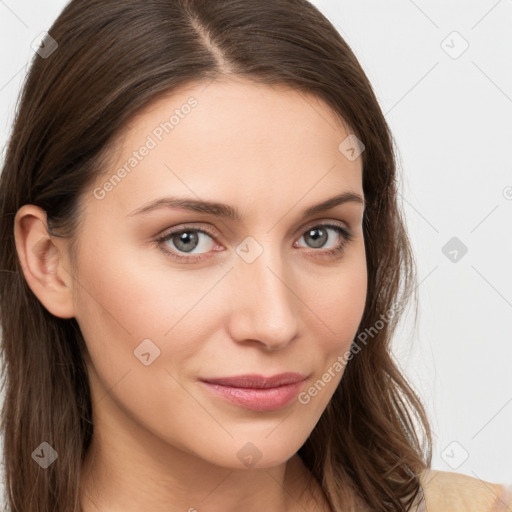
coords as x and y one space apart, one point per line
259 294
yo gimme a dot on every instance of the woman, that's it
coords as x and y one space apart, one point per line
254 373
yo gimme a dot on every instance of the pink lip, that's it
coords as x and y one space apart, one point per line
257 392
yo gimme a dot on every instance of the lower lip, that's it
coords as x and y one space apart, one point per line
268 399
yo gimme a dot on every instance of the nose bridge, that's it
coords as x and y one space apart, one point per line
265 305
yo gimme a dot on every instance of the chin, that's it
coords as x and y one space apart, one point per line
252 455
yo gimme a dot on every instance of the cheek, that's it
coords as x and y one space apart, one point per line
123 290
338 300
134 296
340 308
120 304
115 306
338 295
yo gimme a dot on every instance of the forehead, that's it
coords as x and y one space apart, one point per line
231 139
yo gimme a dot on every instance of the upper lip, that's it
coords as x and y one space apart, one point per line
258 381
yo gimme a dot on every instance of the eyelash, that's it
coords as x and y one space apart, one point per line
346 234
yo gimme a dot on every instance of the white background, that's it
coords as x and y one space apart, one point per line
450 115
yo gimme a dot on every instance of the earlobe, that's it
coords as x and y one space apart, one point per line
42 262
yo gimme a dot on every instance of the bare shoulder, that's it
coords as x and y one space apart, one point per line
456 492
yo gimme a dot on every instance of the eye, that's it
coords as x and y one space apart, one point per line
185 240
317 236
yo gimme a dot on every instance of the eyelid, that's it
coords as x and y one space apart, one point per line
324 221
212 232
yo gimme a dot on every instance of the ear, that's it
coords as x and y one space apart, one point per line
43 262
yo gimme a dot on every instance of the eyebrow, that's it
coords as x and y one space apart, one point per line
232 213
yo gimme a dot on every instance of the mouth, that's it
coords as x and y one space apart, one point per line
257 392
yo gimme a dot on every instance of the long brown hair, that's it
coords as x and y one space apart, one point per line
114 58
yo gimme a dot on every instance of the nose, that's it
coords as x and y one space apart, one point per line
264 303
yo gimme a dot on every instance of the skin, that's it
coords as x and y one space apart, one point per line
162 441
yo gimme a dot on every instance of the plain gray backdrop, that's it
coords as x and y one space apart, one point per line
442 72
